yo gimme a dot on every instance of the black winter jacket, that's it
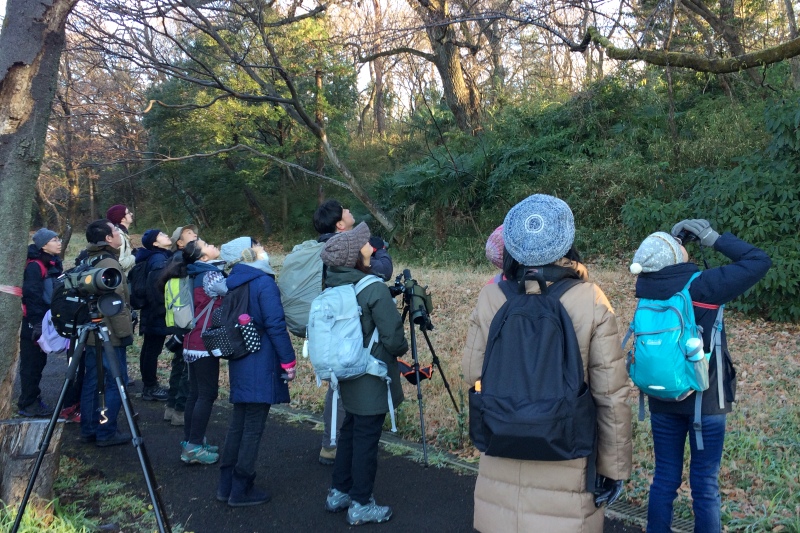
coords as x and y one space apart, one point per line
715 286
37 290
153 315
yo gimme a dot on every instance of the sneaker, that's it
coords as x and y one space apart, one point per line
154 394
196 454
38 409
117 439
337 501
327 456
168 412
207 446
177 418
359 514
70 414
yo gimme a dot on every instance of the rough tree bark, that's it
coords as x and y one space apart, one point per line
31 42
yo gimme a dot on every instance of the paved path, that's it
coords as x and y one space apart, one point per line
423 499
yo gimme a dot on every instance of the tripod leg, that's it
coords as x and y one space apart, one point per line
419 391
137 440
436 362
51 426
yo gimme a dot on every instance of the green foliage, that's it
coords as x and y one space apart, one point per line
758 200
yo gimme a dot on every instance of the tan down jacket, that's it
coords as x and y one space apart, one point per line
524 496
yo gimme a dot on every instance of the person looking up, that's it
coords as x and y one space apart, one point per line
330 219
122 218
513 495
152 326
663 268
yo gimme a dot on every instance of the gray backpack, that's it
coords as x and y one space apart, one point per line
300 281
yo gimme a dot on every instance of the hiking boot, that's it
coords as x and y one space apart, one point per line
154 394
196 454
337 501
168 412
115 440
359 514
244 493
38 409
225 482
177 418
327 456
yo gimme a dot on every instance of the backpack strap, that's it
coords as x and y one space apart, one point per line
39 262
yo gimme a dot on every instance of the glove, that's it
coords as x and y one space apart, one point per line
700 228
36 332
289 374
377 242
606 490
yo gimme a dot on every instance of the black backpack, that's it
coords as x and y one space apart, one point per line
67 309
227 338
533 402
137 283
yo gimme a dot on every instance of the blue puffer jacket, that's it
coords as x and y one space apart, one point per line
256 377
715 286
152 319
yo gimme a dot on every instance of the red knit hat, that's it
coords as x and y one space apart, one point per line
116 213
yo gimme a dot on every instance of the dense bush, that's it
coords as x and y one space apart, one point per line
757 200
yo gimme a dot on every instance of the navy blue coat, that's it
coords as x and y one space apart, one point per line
255 378
152 318
715 286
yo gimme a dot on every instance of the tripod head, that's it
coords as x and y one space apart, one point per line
416 299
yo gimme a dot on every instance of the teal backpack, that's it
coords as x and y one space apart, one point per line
667 360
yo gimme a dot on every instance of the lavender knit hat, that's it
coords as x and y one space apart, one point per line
539 230
657 251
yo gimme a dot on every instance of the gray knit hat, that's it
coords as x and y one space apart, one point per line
231 251
657 251
539 230
343 248
43 236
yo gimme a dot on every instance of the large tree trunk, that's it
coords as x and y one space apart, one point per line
461 96
30 48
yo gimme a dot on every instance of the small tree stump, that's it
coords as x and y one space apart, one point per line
19 448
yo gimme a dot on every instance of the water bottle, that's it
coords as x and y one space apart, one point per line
694 349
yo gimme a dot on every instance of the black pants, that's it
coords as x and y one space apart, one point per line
357 456
31 364
178 383
148 358
203 390
244 437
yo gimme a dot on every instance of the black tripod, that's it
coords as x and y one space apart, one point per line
100 332
415 308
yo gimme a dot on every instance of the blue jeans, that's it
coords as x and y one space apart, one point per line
669 438
90 406
244 437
